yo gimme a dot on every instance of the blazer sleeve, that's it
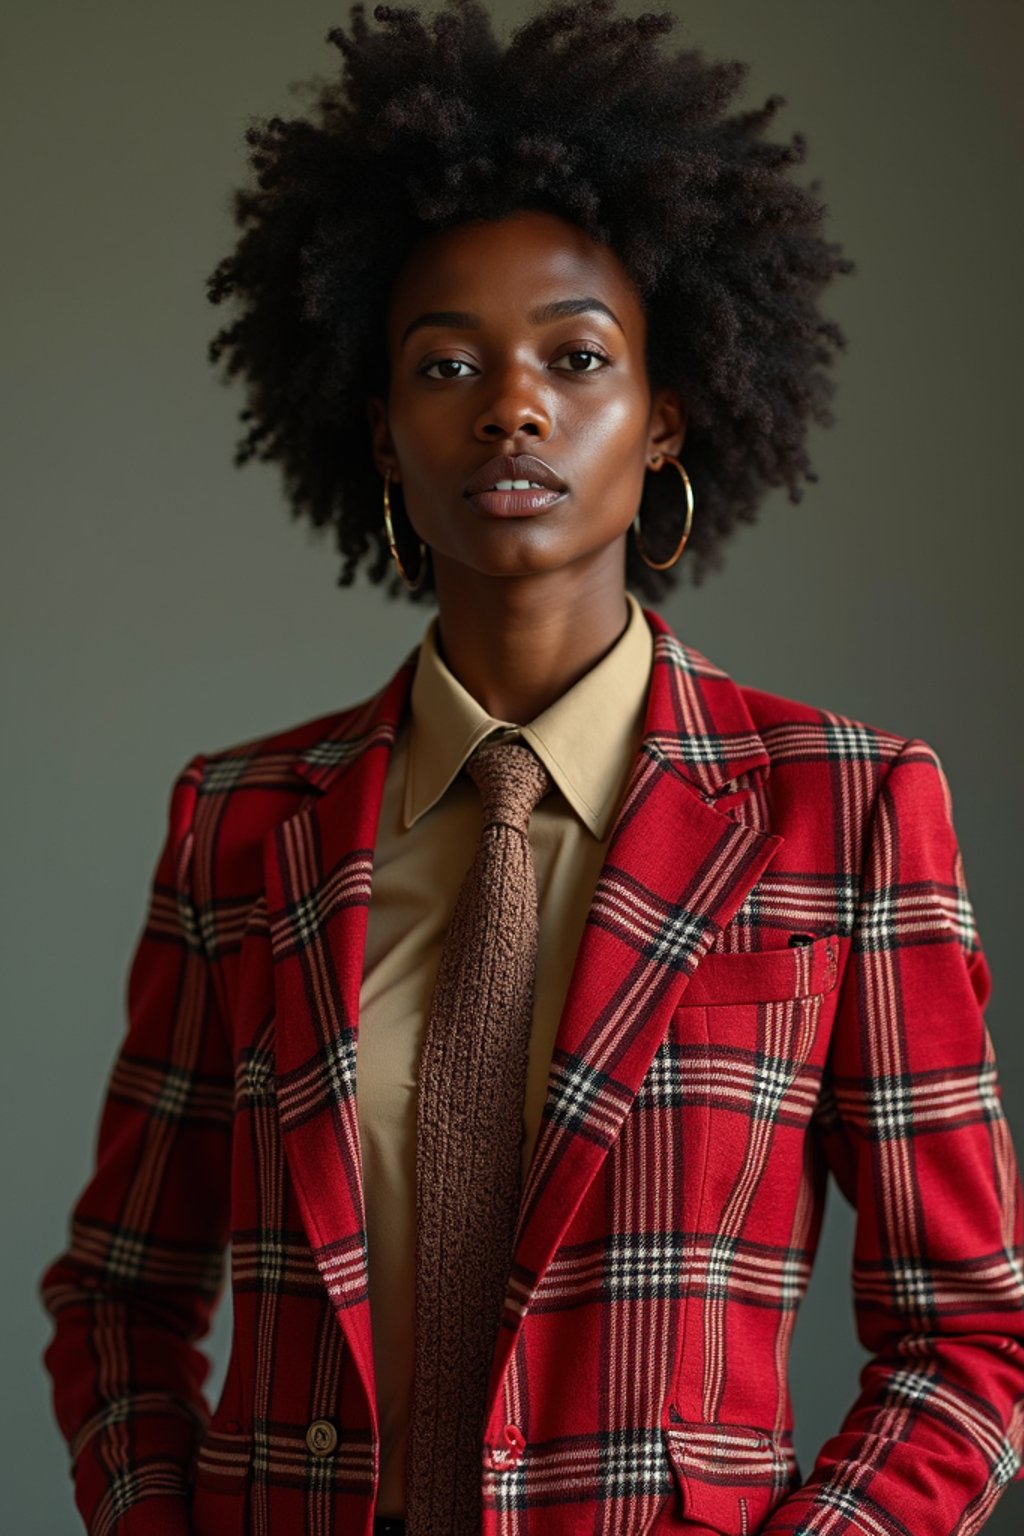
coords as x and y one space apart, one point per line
136 1286
912 1125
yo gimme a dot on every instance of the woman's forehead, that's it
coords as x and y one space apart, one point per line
525 264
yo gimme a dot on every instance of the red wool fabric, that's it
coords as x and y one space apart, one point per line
707 1076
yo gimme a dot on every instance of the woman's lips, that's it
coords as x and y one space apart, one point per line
514 503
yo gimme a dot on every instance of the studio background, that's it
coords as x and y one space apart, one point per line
157 602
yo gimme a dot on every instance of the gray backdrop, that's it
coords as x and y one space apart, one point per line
157 602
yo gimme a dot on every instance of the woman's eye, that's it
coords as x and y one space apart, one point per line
586 352
458 362
444 362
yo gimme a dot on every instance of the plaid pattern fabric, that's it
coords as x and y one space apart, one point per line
707 1075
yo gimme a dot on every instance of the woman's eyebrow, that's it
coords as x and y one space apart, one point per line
465 320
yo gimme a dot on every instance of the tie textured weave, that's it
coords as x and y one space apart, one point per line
470 1092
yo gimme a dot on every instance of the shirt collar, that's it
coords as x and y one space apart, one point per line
587 739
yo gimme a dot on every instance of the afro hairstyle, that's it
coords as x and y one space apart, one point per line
430 124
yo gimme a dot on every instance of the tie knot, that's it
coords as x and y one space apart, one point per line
511 779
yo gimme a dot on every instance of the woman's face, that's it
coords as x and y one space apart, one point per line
479 370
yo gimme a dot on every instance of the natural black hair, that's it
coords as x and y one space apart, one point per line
434 123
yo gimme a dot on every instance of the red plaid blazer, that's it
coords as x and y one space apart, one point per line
780 975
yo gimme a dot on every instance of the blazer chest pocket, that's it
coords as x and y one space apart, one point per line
807 969
749 1036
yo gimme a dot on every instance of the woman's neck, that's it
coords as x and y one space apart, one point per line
518 645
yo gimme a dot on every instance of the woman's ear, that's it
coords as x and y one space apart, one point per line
667 431
380 434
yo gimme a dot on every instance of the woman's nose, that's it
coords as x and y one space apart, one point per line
515 403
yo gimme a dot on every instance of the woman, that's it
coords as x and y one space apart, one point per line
629 955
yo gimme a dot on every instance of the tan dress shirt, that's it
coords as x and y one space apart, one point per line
429 825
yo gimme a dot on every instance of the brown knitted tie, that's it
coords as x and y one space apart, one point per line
472 1082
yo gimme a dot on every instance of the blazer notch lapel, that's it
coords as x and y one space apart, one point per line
318 867
683 855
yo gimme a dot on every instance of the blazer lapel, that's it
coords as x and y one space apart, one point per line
317 870
676 870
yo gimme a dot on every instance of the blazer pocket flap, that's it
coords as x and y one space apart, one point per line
765 975
730 1475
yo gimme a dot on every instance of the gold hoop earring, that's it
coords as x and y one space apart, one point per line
413 586
663 565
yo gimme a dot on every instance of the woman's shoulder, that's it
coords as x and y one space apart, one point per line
296 739
255 780
852 758
783 723
315 744
780 718
241 790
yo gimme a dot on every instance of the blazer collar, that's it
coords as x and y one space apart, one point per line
696 717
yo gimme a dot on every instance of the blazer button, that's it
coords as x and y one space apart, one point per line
321 1437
